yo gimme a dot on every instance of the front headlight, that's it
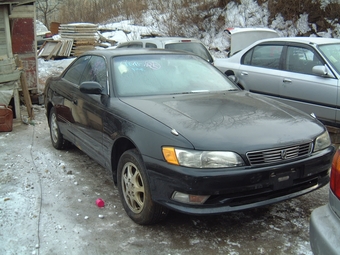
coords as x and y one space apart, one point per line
322 141
201 159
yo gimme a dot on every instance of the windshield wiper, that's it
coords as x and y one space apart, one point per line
190 92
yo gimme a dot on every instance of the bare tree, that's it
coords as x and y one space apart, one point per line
46 8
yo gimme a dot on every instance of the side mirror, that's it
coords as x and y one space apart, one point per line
322 71
91 87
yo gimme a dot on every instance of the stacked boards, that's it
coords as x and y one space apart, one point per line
84 36
74 39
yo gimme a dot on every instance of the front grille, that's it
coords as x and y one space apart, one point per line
279 154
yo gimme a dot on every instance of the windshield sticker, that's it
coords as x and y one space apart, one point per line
136 66
152 65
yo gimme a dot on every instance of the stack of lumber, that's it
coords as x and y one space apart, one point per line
75 39
56 49
82 34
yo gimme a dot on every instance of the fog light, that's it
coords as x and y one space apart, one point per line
189 199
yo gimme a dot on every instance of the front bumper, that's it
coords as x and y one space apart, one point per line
239 188
324 231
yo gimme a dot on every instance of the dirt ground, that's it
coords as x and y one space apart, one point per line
47 206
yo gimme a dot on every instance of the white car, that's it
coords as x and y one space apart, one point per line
303 72
191 45
241 37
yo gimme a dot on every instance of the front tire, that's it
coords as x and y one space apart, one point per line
57 138
134 190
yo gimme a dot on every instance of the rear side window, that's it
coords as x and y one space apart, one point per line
150 45
267 56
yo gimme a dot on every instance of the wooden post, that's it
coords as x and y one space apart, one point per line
16 101
27 97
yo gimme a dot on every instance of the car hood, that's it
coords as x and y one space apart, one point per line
221 121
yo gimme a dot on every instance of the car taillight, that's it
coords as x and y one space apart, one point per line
335 175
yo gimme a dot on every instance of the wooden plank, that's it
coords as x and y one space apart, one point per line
5 34
54 52
23 11
66 48
27 97
9 77
47 48
17 103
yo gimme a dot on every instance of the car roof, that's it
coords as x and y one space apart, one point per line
236 30
305 40
162 40
178 39
166 39
131 51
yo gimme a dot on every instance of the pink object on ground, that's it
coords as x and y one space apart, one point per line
100 202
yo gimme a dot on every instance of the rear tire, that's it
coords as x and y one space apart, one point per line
134 190
57 138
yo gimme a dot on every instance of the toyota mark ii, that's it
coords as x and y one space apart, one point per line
177 134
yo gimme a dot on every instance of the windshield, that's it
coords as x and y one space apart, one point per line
142 75
192 47
332 53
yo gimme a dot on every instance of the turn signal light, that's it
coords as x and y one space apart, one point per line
335 175
170 155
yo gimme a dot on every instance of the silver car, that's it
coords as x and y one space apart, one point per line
303 72
325 221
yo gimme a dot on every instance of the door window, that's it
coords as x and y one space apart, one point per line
301 60
95 71
267 56
74 73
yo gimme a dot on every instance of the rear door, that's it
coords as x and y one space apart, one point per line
303 89
260 69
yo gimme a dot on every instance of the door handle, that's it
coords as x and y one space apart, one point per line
285 80
244 73
75 101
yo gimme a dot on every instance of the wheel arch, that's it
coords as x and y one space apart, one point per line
48 110
120 146
231 72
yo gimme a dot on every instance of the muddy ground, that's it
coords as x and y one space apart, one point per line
47 206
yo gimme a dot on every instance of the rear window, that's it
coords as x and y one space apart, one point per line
193 47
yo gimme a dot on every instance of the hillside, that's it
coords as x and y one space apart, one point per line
210 23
